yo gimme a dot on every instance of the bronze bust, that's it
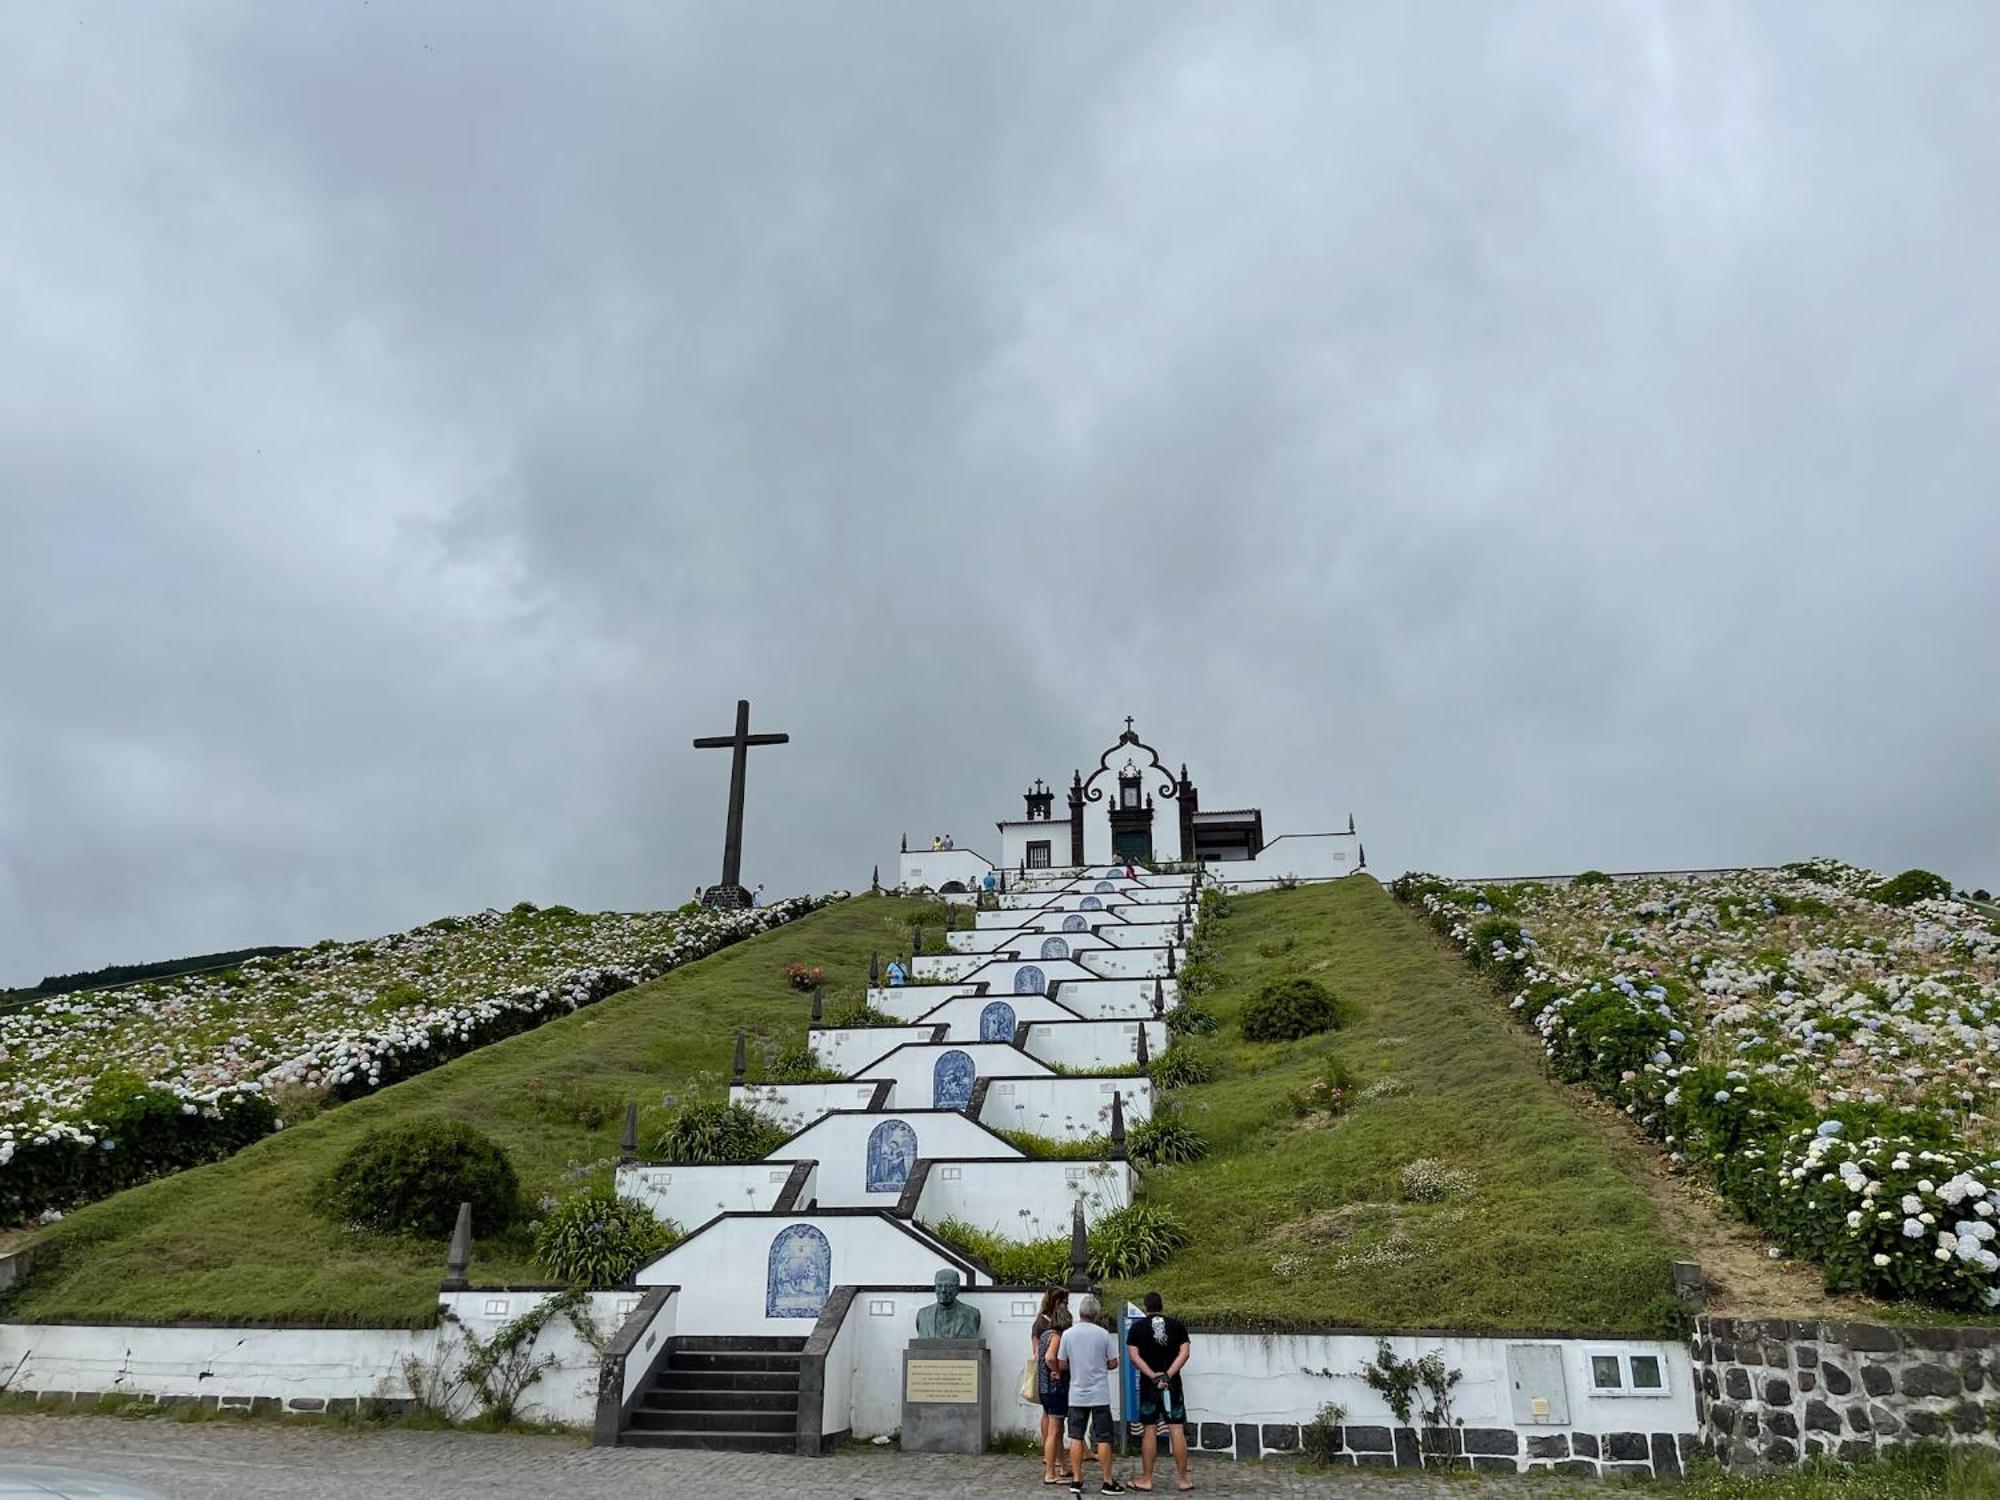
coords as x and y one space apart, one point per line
948 1318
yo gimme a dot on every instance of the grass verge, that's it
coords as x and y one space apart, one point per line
1544 1223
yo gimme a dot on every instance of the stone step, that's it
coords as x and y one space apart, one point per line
726 1442
646 1419
677 1397
735 1344
679 1360
726 1380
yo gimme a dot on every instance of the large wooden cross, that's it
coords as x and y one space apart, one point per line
730 892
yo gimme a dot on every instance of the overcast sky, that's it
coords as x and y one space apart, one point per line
1561 435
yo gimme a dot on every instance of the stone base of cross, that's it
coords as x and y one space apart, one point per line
729 897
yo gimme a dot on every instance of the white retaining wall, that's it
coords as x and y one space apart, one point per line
690 1195
852 1048
1093 1044
1064 1109
796 1105
912 1069
1023 1200
839 1143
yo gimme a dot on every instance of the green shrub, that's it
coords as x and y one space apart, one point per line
1038 1263
1199 977
1133 1241
1590 877
716 1130
858 1012
1428 1180
1320 1439
566 1101
797 1064
1165 1140
1910 887
410 1179
1287 1009
1181 1067
598 1239
1191 1019
1049 1148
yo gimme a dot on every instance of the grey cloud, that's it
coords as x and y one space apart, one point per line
1559 434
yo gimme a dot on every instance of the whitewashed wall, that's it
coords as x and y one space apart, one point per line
929 869
1130 963
728 1261
1023 1200
998 973
944 967
304 1369
961 1013
852 1048
645 1355
1233 1377
1291 856
912 1069
794 1105
1064 1109
908 1001
884 1322
1093 1044
839 1144
690 1195
1112 999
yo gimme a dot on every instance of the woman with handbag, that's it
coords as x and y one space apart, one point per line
1051 1385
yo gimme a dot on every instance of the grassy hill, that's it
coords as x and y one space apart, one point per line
1295 1220
1308 1220
239 1240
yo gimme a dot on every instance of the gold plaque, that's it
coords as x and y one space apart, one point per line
946 1382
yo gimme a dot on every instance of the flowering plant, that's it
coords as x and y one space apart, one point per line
1821 1042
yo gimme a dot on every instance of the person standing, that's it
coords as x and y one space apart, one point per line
1088 1354
1159 1346
1051 1385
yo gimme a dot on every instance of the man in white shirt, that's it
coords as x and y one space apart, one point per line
1090 1355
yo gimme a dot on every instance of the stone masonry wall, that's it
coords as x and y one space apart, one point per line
1773 1392
1496 1450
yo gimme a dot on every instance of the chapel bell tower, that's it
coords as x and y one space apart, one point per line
1041 802
1132 817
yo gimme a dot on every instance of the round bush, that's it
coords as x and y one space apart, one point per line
1288 1009
410 1179
598 1239
1910 887
1181 1067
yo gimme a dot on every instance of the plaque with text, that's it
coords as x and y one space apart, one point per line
943 1382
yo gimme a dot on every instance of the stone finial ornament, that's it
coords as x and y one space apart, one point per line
628 1138
738 1069
1159 1001
458 1254
819 1004
1118 1119
1145 1050
874 970
1079 1251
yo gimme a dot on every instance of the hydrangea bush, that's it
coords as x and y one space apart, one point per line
1819 1042
105 1089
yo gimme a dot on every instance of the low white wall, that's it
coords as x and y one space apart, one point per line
1114 999
839 1143
962 1013
307 1369
837 1378
1064 1109
795 1105
999 973
913 1070
884 1322
1128 963
728 1262
1093 1044
646 1352
1023 1200
908 1001
1235 1377
945 966
1291 856
690 1194
852 1048
930 869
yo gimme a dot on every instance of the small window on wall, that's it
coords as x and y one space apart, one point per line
1038 855
1623 1374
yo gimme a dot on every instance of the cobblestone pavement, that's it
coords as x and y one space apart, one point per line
267 1461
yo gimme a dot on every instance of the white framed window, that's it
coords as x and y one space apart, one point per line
1625 1372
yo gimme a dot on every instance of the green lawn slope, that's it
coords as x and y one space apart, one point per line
1295 1223
239 1240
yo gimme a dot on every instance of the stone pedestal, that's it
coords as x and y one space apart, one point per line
947 1396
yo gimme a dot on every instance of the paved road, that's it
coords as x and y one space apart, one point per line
268 1461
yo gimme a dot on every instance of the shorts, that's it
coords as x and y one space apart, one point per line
1055 1403
1090 1425
1158 1407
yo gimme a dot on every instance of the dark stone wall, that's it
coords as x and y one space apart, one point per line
1496 1450
1771 1393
